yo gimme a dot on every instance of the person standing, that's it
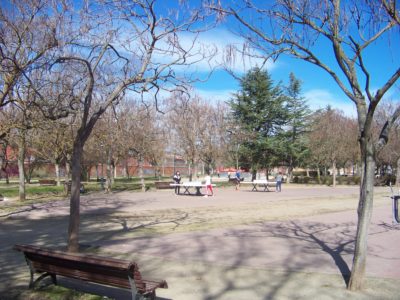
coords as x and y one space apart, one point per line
177 180
279 182
208 185
237 178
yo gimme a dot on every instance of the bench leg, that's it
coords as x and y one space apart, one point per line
33 282
32 271
135 294
254 187
138 296
54 278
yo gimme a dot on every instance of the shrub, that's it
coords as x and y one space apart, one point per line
386 179
299 173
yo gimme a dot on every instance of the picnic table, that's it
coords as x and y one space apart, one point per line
260 182
191 184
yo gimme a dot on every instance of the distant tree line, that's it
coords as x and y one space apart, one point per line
263 126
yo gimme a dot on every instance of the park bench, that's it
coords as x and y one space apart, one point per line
107 271
162 185
47 182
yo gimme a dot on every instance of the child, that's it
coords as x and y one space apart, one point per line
208 185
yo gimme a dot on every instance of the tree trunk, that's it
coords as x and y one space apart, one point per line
334 173
364 215
140 161
319 175
97 172
253 174
21 169
7 176
57 168
398 174
290 175
67 169
127 170
74 215
109 171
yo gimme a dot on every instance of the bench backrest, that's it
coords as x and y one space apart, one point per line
47 181
109 271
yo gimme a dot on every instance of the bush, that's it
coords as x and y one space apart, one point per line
328 180
299 173
340 179
386 179
353 180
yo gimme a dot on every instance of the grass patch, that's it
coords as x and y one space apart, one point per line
31 190
56 293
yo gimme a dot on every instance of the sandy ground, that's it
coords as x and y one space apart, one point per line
297 244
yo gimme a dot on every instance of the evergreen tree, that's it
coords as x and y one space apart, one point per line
260 108
294 143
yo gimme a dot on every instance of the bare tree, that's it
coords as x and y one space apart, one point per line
52 141
213 137
125 47
139 134
186 120
27 33
349 29
331 138
390 155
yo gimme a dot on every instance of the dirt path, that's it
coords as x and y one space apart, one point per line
236 245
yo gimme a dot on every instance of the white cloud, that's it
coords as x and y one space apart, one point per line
230 49
319 99
215 95
220 48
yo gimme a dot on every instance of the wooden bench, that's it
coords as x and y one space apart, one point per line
162 185
47 182
108 271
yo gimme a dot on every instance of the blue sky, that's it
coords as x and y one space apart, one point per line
318 87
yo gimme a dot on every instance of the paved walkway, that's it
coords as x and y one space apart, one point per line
301 257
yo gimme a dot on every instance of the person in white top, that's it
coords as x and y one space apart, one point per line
208 185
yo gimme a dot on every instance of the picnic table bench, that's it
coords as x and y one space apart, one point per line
186 185
107 271
260 182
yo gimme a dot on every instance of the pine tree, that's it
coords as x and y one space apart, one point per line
294 146
260 109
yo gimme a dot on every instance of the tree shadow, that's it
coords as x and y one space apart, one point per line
207 264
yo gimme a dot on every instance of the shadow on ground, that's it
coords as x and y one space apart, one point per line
268 260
